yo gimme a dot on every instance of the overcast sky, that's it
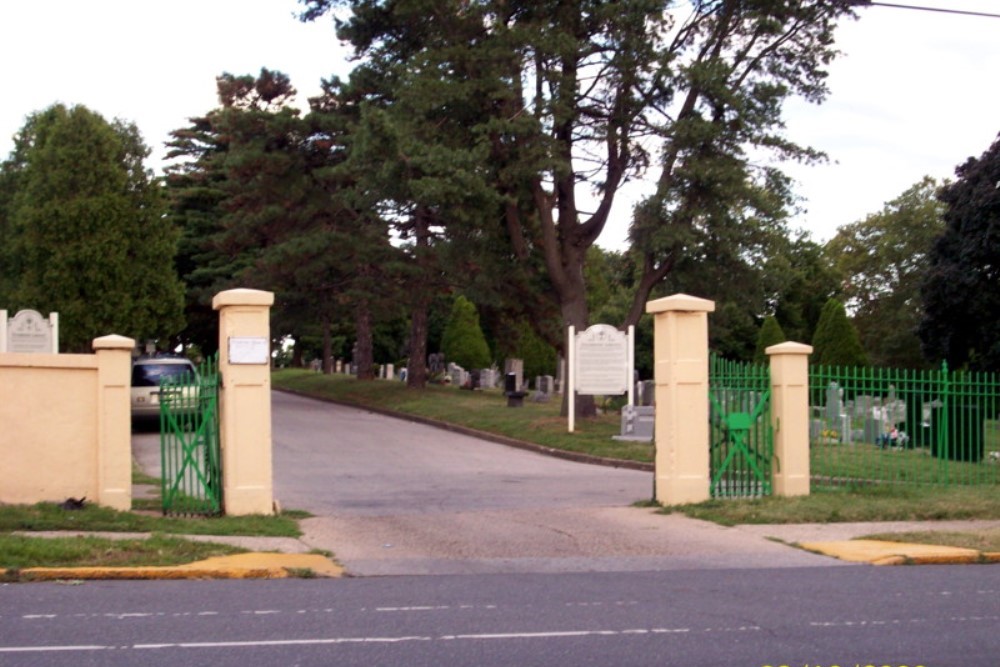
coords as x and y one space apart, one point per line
915 93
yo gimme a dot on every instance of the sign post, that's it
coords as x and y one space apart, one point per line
601 361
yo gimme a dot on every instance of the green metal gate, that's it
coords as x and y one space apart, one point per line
189 442
742 440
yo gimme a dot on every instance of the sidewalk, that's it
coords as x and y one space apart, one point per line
281 557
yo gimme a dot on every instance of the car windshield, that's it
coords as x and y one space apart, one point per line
149 375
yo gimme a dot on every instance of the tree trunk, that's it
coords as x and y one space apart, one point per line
364 356
416 366
327 348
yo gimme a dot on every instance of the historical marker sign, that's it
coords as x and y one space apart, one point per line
29 332
602 361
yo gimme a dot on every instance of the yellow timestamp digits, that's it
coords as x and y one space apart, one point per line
856 664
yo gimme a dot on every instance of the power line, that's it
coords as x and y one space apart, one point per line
931 9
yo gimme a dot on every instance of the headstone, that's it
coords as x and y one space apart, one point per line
474 379
489 378
28 332
316 365
638 422
561 375
834 403
546 384
646 392
390 372
515 366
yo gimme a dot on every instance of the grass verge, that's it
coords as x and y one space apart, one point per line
853 504
18 552
50 516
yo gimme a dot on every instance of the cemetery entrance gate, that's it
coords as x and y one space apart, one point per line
191 480
742 438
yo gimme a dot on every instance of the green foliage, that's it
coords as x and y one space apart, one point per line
85 233
539 357
883 260
463 342
836 341
770 334
961 292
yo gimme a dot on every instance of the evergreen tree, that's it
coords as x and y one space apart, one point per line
85 230
836 341
961 291
463 341
770 334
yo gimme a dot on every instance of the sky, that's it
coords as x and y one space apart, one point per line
914 93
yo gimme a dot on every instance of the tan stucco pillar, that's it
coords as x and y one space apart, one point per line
245 400
681 434
790 417
114 424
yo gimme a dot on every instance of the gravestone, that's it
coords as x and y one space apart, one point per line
545 384
515 366
638 422
390 372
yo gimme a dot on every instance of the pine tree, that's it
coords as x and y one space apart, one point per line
836 341
463 342
770 334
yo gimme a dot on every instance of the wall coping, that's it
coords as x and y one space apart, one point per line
680 302
242 297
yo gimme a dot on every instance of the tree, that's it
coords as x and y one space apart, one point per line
463 342
883 260
770 334
563 98
961 292
85 230
836 341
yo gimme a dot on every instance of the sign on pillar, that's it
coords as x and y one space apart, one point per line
681 430
245 400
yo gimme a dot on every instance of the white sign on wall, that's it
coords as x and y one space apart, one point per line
29 332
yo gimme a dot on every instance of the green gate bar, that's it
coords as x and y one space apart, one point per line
191 478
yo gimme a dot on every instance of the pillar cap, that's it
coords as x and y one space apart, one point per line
242 297
680 302
113 342
788 348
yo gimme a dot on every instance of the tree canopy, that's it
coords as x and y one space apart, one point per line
961 292
836 342
84 230
882 261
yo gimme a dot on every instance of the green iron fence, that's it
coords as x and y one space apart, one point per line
189 442
742 442
872 425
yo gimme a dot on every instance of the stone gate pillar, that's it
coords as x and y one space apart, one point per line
790 414
114 435
245 400
681 433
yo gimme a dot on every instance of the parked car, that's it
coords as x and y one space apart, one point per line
147 372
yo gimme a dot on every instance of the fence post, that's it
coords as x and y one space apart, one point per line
681 430
790 416
114 434
245 400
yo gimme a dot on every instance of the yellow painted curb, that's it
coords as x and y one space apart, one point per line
238 566
879 552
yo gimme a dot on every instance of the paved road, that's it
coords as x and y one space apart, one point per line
394 497
944 616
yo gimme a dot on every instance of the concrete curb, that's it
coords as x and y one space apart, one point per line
239 566
878 552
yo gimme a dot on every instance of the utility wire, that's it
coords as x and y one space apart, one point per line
930 9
